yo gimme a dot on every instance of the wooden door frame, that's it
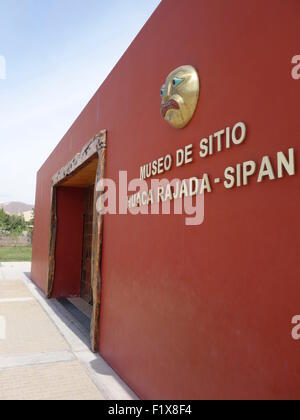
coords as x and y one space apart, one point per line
96 146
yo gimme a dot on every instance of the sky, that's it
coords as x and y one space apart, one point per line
54 55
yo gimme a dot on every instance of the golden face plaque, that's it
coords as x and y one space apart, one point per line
180 96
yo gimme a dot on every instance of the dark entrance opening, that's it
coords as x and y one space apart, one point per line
74 242
81 306
75 273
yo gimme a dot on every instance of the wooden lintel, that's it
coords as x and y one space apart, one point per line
88 151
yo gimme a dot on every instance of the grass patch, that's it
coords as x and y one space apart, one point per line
16 254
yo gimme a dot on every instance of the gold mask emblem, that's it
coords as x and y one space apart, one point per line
180 96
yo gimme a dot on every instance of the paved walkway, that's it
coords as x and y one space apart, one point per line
44 352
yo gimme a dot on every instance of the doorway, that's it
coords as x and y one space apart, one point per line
75 248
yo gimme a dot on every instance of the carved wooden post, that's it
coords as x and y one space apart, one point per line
52 242
97 244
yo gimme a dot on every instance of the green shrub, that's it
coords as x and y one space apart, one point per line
12 225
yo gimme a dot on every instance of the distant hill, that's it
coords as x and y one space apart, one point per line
16 208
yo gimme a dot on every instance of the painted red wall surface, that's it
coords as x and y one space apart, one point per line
68 253
199 312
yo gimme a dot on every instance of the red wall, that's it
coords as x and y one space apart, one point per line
68 253
199 312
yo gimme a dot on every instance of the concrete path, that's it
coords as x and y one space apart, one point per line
44 352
